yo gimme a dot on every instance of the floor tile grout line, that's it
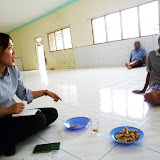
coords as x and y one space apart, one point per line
140 123
123 118
110 115
63 142
106 114
109 151
70 154
40 156
41 138
82 109
120 118
134 144
60 148
151 125
117 117
147 148
145 121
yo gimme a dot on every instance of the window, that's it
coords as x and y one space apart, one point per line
99 30
67 38
134 22
130 23
60 40
149 19
113 26
52 42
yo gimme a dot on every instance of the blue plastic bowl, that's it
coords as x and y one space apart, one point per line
116 130
81 122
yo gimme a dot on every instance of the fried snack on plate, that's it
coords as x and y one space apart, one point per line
127 135
73 126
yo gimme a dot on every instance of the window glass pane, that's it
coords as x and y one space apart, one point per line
59 40
52 43
113 26
99 30
130 23
67 38
149 18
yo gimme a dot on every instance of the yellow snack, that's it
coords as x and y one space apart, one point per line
73 126
127 135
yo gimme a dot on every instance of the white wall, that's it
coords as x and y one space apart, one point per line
112 54
78 16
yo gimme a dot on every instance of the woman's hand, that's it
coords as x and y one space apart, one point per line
16 108
53 95
138 91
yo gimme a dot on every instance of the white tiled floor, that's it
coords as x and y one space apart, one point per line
105 92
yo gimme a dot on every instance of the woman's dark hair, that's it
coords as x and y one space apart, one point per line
4 40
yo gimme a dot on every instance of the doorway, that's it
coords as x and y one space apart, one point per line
41 61
40 53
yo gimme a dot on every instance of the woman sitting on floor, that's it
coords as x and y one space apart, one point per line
16 129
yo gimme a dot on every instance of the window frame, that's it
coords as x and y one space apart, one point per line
119 26
158 17
137 8
139 27
93 31
62 39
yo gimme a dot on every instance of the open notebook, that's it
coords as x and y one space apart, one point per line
26 112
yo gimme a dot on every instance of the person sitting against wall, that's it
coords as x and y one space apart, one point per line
153 77
16 129
137 57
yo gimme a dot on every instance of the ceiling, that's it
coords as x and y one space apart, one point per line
15 13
